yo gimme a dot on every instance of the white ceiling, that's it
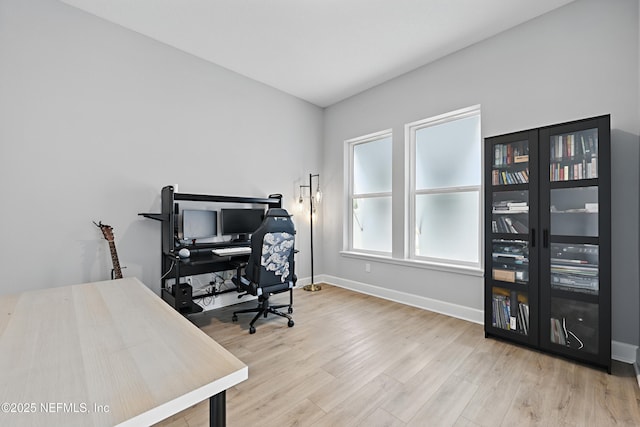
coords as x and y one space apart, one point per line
322 51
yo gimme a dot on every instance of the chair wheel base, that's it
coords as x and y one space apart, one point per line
263 310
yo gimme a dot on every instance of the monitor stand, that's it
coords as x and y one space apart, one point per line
241 238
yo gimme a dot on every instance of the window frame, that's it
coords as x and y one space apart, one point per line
411 192
349 146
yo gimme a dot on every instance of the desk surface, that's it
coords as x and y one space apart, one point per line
103 354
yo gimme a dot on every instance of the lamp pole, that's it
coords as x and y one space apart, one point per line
312 286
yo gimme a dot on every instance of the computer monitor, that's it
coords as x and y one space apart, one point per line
240 223
199 224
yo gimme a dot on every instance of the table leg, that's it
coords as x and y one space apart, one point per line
217 410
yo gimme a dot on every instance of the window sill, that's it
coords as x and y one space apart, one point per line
450 268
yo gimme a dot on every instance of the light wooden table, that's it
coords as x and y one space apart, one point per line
103 354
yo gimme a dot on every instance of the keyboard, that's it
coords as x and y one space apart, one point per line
233 250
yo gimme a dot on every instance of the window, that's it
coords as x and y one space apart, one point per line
445 188
369 193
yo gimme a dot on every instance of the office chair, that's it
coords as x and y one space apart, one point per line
270 268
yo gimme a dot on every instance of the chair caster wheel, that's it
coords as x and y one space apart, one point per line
290 323
290 310
252 330
234 318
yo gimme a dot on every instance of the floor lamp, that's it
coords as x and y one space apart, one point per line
314 200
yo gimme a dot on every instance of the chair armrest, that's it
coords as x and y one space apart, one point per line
241 282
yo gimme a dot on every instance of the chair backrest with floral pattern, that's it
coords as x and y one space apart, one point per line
272 249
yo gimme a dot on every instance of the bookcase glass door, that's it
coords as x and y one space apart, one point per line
574 313
510 300
574 268
574 325
573 322
574 211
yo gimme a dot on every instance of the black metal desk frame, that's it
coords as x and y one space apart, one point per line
202 260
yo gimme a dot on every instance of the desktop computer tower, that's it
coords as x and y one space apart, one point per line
183 296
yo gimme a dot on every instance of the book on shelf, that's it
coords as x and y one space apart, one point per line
577 267
584 144
570 261
505 224
574 156
514 152
524 317
506 206
578 285
568 172
510 314
513 311
558 334
510 257
502 177
517 226
574 275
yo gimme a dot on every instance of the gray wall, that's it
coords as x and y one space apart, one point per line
578 61
95 119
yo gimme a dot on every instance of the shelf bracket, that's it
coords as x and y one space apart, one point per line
156 216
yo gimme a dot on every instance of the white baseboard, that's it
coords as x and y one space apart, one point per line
449 309
637 368
623 352
620 351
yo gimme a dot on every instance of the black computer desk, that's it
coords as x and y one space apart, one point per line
205 261
173 268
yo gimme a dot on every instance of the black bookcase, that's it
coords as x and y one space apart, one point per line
548 239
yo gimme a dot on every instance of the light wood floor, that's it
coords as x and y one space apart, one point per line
356 360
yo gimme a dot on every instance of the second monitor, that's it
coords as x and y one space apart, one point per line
240 223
